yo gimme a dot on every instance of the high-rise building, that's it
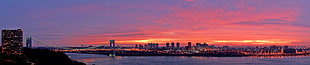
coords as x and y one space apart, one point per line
156 45
205 45
172 45
136 46
152 45
167 45
189 44
28 42
12 41
178 44
285 47
112 43
198 44
140 46
145 45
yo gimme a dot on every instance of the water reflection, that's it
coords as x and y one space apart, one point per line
189 60
88 60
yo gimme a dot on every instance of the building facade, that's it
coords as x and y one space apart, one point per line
12 41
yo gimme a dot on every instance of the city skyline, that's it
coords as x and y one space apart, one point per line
216 22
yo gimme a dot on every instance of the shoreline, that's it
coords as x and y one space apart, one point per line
291 55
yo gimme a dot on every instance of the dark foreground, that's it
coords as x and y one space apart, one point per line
99 59
38 57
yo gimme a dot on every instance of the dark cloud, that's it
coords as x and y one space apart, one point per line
273 20
255 23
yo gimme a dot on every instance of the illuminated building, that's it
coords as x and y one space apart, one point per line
140 46
136 46
290 51
152 45
178 45
285 47
112 43
12 41
198 44
205 44
172 44
189 44
201 45
156 45
28 42
167 45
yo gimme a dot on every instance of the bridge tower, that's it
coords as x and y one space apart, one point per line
112 43
28 42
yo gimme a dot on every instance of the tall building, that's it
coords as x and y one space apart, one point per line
112 43
205 45
198 44
285 47
156 45
152 45
172 45
28 42
140 46
136 46
178 44
167 45
12 41
189 44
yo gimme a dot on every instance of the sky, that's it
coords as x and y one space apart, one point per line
216 22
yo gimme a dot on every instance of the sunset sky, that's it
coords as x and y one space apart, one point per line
216 22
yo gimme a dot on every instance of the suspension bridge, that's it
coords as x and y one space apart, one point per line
99 48
59 48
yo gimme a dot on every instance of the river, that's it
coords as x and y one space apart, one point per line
96 59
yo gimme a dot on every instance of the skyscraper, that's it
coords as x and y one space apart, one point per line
198 44
136 46
156 45
189 44
172 44
112 43
167 45
12 41
152 45
205 44
28 42
178 44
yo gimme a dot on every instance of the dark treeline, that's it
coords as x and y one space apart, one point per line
38 57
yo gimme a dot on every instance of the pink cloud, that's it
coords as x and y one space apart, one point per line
202 22
190 0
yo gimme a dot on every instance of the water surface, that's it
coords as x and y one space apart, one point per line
96 59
